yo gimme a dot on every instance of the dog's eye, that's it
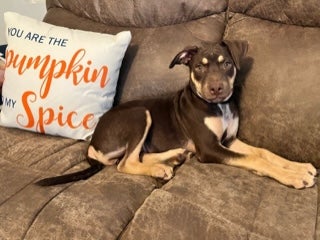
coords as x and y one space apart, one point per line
199 67
227 64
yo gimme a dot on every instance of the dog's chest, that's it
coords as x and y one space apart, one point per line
225 126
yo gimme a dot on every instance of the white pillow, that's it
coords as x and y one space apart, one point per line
58 81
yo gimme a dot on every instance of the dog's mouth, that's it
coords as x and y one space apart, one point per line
220 98
211 97
213 91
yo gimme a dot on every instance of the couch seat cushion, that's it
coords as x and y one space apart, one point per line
222 202
109 199
99 208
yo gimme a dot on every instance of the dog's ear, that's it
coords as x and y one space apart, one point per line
237 49
184 56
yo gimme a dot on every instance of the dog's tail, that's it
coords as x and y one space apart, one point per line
94 168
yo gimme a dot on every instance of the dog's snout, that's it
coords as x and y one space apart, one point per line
216 88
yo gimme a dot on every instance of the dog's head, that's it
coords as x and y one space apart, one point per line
213 68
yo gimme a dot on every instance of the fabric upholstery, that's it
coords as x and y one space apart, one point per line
279 111
225 203
142 13
298 12
147 60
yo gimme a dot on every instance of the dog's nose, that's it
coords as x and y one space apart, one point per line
216 89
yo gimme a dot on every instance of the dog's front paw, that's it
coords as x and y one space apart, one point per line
304 180
302 168
303 183
300 175
307 173
310 169
162 171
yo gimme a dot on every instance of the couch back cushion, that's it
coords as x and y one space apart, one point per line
298 12
145 70
280 99
143 13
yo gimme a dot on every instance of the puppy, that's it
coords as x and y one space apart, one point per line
150 137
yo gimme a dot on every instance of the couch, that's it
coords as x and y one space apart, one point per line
280 111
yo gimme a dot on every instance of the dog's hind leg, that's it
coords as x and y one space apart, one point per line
132 164
172 157
265 163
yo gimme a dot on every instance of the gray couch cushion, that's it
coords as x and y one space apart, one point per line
280 97
220 202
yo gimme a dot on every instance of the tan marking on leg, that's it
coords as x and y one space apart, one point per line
265 163
173 156
287 164
131 163
275 159
105 158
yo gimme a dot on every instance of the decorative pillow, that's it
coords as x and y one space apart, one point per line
58 81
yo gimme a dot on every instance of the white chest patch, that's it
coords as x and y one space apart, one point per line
226 123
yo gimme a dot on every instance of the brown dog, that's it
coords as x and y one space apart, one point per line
149 137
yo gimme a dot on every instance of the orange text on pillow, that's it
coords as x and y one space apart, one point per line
47 116
50 69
